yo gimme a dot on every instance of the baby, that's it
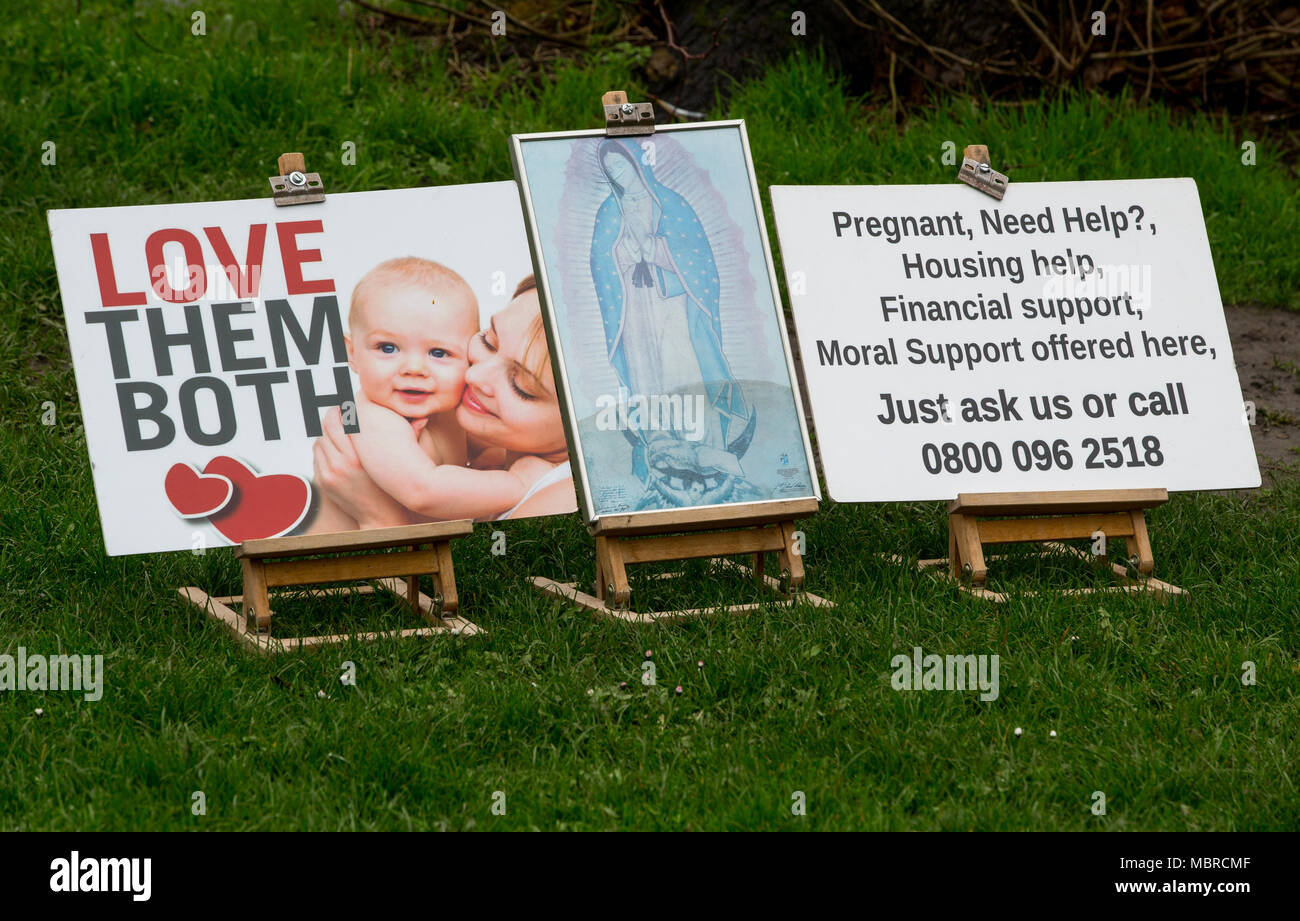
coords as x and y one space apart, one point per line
408 326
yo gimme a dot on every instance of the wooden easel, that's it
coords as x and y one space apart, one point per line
339 557
977 519
280 561
756 529
715 533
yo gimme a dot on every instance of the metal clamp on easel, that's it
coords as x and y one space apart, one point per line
623 118
294 185
978 174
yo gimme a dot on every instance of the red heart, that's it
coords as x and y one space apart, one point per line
194 494
263 506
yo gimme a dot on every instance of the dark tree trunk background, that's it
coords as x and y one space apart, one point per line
1240 57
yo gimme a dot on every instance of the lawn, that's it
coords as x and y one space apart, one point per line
548 708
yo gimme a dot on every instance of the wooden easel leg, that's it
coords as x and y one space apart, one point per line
791 562
612 587
446 579
257 606
603 583
965 531
413 588
1102 560
979 570
1142 543
618 574
954 548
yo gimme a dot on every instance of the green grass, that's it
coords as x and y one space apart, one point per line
1146 697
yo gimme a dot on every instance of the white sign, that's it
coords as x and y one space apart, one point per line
1068 337
213 342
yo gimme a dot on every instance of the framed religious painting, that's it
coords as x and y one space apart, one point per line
664 322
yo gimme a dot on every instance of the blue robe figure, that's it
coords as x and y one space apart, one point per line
657 284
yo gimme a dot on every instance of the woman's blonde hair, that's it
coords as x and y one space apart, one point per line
536 333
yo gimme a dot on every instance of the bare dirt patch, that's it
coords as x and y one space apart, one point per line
1266 345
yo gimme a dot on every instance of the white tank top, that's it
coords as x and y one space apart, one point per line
549 478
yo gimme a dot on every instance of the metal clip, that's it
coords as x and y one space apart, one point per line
978 174
294 185
624 118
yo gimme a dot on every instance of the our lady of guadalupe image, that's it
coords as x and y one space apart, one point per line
667 319
657 283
